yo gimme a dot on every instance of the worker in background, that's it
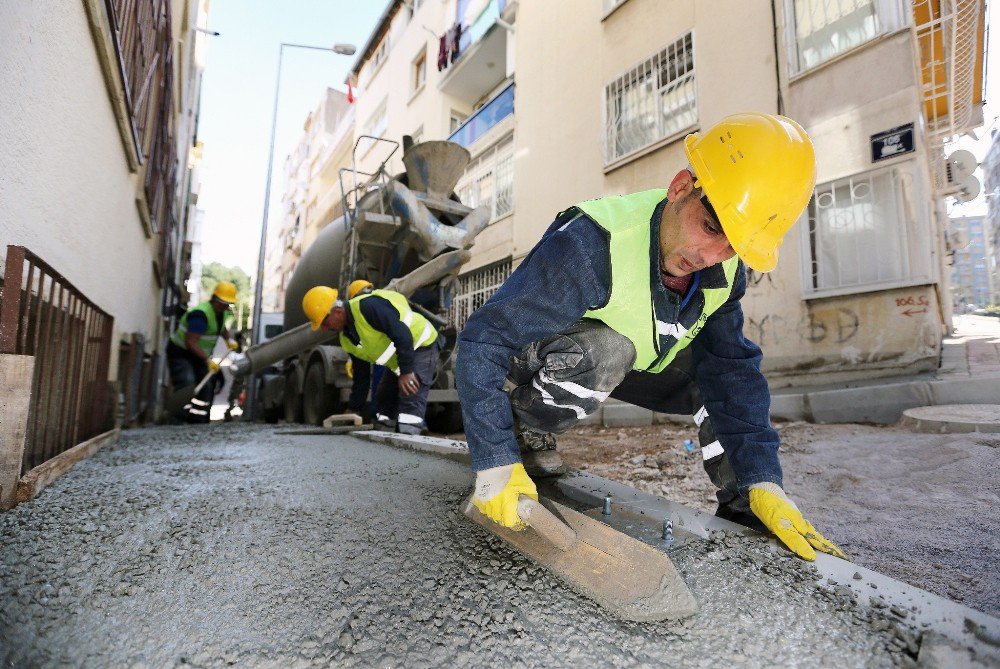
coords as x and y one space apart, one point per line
637 297
379 327
189 351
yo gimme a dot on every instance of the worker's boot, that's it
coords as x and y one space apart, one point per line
411 428
538 453
384 424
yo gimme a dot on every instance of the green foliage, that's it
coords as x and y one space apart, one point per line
993 309
213 272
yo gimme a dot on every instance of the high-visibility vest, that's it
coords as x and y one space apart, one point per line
629 310
374 345
206 341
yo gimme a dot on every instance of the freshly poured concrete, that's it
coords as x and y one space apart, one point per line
233 545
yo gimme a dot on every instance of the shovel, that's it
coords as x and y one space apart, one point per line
181 397
632 580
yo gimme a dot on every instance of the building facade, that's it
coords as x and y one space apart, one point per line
564 101
991 188
973 273
99 112
312 197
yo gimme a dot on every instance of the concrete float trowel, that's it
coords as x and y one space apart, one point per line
632 580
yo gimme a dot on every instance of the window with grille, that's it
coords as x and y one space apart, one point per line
473 289
823 29
867 232
489 180
652 101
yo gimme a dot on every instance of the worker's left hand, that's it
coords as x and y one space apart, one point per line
408 384
769 503
213 366
232 345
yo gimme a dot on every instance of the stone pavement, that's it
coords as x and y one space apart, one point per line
973 349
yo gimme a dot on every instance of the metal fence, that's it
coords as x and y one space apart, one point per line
473 289
43 315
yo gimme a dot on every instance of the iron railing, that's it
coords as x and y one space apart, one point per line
45 316
473 289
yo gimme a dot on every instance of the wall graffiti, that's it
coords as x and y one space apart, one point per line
755 278
837 326
912 304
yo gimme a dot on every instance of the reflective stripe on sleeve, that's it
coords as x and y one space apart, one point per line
700 416
712 450
409 419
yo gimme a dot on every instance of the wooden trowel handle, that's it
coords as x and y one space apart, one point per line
545 523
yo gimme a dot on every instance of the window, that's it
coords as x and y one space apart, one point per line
473 289
652 101
489 180
379 55
822 29
866 232
456 120
375 127
419 71
612 4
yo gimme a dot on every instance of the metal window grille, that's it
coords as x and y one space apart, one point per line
652 101
43 315
823 29
867 232
473 289
489 180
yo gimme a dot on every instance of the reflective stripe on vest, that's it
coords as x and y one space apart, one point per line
206 341
374 345
629 310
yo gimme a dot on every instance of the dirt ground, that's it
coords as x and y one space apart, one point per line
920 508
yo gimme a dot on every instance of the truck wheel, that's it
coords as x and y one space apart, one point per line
270 414
445 418
318 401
292 402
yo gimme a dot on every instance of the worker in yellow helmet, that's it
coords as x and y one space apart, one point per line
189 351
637 297
379 327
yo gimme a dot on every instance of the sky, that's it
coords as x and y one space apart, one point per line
237 102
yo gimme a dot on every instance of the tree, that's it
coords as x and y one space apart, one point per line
213 273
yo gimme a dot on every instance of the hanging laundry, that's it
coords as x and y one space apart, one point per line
443 52
456 45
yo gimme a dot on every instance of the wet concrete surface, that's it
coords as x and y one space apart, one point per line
231 545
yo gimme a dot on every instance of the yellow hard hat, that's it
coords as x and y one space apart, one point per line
225 292
317 303
758 172
357 286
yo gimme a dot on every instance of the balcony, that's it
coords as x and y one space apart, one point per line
486 118
482 61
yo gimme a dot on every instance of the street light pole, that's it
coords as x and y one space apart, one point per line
343 49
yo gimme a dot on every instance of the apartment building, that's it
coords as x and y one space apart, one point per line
312 197
564 101
99 117
991 188
973 277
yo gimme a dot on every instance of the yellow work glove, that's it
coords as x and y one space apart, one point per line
232 345
213 366
497 490
769 503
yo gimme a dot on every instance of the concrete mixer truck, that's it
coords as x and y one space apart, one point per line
407 233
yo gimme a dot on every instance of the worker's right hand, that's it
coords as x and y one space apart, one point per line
232 345
497 491
213 366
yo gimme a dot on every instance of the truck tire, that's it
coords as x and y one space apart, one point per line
292 402
318 400
445 418
270 414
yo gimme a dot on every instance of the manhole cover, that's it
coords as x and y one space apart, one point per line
954 418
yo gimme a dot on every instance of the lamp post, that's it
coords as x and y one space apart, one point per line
345 50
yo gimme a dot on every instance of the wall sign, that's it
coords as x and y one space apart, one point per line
891 143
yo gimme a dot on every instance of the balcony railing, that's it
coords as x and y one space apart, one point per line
487 117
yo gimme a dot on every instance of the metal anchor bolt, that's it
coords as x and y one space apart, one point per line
668 530
607 506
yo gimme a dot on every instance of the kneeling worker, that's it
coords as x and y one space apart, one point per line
379 327
637 297
189 351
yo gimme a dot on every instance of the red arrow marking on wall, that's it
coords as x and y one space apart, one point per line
910 312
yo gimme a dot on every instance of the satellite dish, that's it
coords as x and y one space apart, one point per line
968 189
961 164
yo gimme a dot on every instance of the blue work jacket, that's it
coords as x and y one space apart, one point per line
569 272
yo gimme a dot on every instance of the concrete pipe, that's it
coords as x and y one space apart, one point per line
285 345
